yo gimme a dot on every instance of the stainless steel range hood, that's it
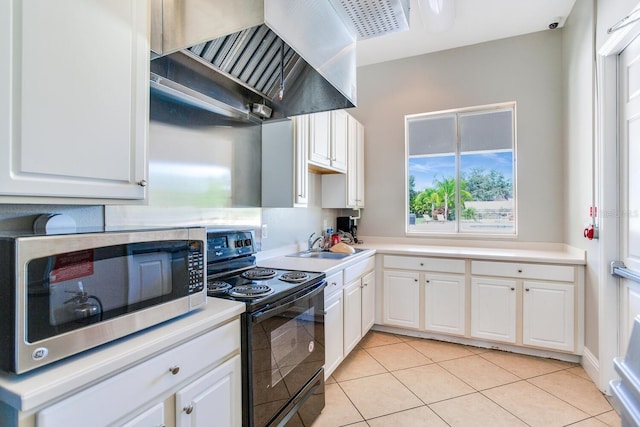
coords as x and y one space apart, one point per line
227 55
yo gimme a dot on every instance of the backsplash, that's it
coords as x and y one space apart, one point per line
21 217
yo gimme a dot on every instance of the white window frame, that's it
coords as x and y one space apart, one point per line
456 232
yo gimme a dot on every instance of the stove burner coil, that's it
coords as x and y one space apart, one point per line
259 274
294 276
250 291
217 287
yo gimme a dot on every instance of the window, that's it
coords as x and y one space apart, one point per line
461 171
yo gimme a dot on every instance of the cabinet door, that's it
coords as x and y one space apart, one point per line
445 304
401 299
76 111
153 416
215 396
339 138
493 309
301 144
334 337
320 138
352 315
368 301
548 315
355 164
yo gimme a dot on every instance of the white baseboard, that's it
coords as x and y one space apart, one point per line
591 365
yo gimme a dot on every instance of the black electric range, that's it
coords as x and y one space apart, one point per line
282 331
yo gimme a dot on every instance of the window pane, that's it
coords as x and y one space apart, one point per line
486 192
486 131
432 135
432 194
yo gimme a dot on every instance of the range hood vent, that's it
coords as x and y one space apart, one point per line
255 57
299 59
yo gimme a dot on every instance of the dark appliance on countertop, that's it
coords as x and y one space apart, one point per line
282 331
66 293
347 224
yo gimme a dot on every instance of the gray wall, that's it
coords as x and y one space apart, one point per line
525 69
579 174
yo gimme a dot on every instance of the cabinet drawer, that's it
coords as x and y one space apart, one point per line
334 284
128 390
361 268
562 273
442 265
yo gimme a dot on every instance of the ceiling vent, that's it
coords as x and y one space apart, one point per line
373 18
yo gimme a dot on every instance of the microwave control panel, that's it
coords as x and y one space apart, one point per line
196 267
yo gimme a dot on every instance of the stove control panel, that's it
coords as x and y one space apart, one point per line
222 245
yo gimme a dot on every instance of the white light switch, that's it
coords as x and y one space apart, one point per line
264 231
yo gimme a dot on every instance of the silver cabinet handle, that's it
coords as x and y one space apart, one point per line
526 289
188 409
142 183
174 370
513 289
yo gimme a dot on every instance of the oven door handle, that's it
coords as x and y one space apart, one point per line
270 312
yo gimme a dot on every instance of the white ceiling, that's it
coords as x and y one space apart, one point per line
476 21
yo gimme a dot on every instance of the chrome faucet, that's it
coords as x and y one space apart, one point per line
311 243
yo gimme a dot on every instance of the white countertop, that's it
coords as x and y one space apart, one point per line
30 390
552 255
548 253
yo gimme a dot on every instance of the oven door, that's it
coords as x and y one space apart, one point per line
286 352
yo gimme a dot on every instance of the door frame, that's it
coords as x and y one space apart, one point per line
608 147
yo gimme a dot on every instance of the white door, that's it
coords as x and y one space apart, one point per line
629 77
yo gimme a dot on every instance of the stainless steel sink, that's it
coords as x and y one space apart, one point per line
323 254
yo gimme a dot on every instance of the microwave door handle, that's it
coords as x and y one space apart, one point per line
265 314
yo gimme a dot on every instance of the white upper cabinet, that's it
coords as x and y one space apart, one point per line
284 163
339 139
320 139
328 141
74 99
342 191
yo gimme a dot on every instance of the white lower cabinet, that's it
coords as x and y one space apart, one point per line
548 315
493 309
352 315
445 304
333 324
153 416
401 305
517 303
349 311
409 280
368 301
215 396
195 375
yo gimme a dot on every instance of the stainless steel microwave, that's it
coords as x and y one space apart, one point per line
64 294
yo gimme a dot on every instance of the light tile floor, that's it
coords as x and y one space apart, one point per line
391 380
